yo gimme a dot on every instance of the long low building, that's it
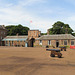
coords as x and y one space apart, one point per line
55 40
15 41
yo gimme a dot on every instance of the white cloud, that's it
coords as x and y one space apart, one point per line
41 24
71 21
71 18
18 14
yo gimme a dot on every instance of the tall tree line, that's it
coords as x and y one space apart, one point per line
13 30
60 28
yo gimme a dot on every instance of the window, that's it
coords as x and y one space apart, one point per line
62 42
40 42
6 43
9 43
72 42
12 43
17 40
65 42
49 42
24 40
20 41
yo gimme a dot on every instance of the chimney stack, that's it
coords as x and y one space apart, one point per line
48 32
17 34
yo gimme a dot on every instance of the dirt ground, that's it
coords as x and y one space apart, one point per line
35 61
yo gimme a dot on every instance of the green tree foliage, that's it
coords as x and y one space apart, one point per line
13 30
60 28
43 33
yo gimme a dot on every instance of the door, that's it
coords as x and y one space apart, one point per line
57 44
32 42
26 44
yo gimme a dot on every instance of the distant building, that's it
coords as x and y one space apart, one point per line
3 33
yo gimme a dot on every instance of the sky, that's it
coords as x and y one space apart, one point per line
42 13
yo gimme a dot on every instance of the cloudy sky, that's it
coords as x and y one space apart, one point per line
42 13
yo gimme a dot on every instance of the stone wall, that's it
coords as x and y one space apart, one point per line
3 34
15 43
53 42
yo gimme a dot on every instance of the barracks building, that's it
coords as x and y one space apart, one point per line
35 39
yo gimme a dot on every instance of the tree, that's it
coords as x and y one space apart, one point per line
73 34
13 30
60 28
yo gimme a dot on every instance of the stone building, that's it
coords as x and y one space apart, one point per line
3 33
32 35
55 40
34 38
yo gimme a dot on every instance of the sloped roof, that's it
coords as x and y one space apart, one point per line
56 37
15 38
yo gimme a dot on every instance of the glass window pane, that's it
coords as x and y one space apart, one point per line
65 42
72 42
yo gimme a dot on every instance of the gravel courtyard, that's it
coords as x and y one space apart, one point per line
35 61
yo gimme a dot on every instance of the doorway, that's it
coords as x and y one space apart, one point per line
57 43
32 42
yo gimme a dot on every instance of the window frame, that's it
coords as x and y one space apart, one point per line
65 41
72 42
40 42
49 42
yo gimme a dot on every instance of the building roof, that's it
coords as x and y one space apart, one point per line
2 27
57 37
15 38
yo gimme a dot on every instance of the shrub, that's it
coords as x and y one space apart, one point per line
64 46
37 45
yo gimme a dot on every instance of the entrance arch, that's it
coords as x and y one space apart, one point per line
32 42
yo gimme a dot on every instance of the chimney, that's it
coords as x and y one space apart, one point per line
3 26
17 34
48 32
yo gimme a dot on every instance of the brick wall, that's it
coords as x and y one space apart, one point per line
15 43
33 34
53 42
3 34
